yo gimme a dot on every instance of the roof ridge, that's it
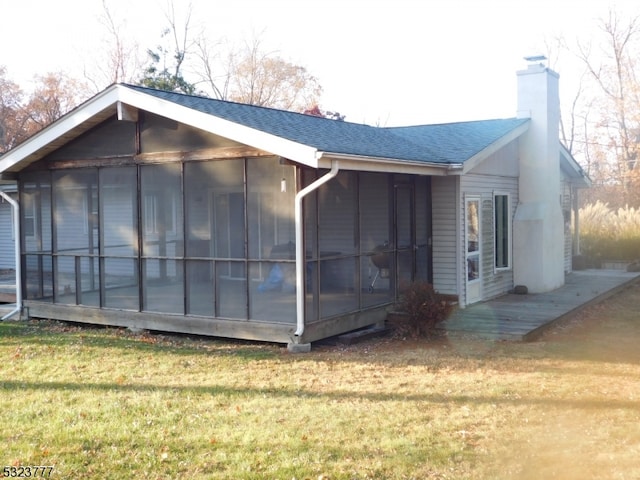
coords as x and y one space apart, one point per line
460 122
241 104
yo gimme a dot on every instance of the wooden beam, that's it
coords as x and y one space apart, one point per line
126 112
240 329
160 157
205 154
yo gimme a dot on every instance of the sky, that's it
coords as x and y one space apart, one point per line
380 62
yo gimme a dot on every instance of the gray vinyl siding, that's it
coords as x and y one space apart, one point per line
494 282
444 191
497 174
7 247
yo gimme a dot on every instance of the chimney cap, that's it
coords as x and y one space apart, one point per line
535 58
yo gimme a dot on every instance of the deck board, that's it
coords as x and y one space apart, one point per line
526 317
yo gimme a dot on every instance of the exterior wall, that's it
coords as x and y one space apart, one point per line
445 236
494 282
497 174
7 248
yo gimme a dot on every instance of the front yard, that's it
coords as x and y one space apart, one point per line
104 403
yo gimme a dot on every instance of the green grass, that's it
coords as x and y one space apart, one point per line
103 403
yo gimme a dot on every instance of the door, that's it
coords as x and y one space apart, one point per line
405 243
472 249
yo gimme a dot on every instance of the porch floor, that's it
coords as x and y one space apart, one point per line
526 317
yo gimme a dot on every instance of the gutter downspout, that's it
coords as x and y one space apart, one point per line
300 256
16 229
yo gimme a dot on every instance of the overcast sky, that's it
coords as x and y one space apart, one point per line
387 62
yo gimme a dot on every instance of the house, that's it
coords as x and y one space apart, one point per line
162 211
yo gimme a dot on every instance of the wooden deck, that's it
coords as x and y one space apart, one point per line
526 317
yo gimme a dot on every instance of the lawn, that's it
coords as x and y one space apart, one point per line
105 403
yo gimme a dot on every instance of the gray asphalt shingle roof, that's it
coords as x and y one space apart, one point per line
444 143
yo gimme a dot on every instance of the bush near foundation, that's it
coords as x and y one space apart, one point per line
423 310
606 234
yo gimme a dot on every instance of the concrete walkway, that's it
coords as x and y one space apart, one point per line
526 317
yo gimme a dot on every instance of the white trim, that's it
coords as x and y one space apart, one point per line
219 126
475 283
101 102
578 177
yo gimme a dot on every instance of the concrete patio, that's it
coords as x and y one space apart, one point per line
526 317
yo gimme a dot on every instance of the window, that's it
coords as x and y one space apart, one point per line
502 230
29 215
159 217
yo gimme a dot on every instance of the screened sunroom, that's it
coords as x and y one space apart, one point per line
176 238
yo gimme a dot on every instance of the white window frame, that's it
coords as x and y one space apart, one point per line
29 214
151 212
467 240
509 232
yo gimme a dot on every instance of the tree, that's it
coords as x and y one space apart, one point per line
120 61
164 70
265 79
612 141
315 111
216 67
12 116
53 96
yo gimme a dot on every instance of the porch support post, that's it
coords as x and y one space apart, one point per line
300 256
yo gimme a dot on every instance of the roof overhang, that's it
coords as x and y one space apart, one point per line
123 101
60 132
486 152
386 165
572 169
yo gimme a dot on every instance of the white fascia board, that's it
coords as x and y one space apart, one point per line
210 123
483 154
579 177
386 165
76 117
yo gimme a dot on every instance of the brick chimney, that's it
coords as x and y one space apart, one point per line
538 226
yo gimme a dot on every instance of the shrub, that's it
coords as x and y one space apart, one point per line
423 307
609 235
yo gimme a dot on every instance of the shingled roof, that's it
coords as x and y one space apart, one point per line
451 143
307 139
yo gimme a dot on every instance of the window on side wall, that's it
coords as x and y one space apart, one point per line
502 231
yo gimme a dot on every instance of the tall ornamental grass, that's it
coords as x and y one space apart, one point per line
606 234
